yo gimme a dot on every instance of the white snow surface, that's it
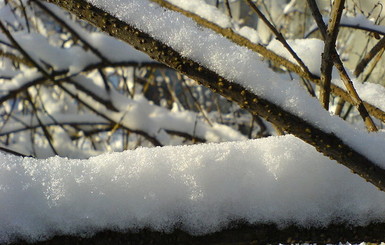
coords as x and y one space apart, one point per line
198 188
359 21
308 50
216 16
204 10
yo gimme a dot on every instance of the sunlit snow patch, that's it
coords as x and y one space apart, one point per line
198 188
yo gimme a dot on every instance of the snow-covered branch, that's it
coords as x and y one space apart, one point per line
247 37
68 90
89 73
201 54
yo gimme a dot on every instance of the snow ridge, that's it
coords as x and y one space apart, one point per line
198 188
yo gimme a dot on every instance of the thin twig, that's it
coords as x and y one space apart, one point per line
352 26
197 104
72 31
374 64
355 99
327 56
4 149
279 36
47 134
369 56
227 4
25 16
270 55
339 107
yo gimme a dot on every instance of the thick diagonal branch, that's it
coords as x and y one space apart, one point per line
327 143
273 57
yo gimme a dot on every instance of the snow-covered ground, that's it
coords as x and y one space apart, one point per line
199 188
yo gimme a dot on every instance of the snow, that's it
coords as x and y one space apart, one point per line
309 50
240 65
134 114
75 59
358 21
214 15
139 114
204 10
198 188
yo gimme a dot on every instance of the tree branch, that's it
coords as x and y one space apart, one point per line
327 143
327 56
356 100
279 36
369 56
274 58
240 40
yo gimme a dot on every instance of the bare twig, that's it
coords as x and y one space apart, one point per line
355 99
72 31
47 134
196 103
369 56
280 61
228 8
373 65
278 35
327 56
351 26
7 150
339 107
25 15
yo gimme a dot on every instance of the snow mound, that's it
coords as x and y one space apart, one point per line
197 188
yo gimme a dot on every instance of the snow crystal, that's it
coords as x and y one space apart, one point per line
309 50
204 10
198 188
